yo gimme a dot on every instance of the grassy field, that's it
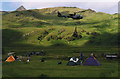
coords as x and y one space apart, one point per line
50 68
21 30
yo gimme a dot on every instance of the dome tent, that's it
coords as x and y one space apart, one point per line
73 61
10 59
91 61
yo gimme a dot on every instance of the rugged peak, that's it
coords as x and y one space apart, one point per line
90 10
20 8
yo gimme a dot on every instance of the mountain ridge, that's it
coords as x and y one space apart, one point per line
45 24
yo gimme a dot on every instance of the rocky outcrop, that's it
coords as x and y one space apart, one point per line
20 8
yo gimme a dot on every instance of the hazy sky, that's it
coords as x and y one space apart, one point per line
107 7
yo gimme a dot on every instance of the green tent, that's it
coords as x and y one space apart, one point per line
73 61
70 63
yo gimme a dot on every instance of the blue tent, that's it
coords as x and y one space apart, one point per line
91 61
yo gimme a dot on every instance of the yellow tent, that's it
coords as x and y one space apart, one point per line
10 59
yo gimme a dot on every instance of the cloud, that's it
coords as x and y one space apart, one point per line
107 7
60 1
110 9
0 6
35 5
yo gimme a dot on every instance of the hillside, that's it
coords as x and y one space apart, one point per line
43 35
23 28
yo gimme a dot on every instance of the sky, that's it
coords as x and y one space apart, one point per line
99 6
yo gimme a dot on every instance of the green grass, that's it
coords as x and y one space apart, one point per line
34 22
21 29
50 68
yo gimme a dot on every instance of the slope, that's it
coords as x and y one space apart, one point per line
25 27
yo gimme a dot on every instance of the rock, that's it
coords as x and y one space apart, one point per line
11 53
20 8
83 31
87 33
80 36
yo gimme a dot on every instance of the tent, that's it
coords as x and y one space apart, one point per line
70 63
73 61
91 61
10 59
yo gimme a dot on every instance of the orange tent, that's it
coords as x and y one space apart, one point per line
10 59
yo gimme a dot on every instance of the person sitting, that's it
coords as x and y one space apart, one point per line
42 60
59 63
